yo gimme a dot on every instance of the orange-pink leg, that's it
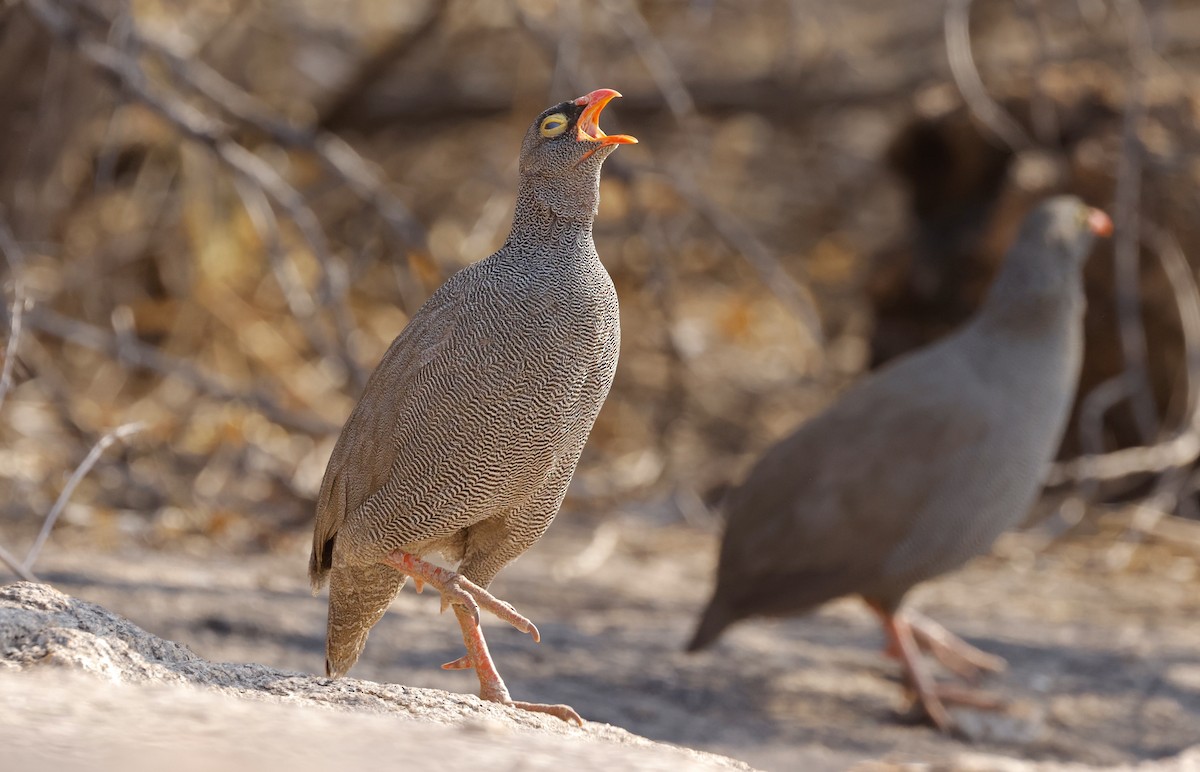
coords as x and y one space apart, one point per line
905 642
467 598
919 679
958 656
491 686
458 590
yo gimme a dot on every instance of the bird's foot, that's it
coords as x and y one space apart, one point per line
564 712
931 705
958 656
491 686
929 696
458 590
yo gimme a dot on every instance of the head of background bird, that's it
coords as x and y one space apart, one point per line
1054 242
1066 228
563 151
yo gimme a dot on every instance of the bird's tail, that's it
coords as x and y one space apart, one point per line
358 597
712 623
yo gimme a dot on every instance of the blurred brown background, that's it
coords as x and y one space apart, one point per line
218 214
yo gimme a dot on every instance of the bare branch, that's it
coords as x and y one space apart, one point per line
300 302
120 433
198 126
376 65
364 179
14 337
1001 125
133 352
1127 242
1043 114
16 260
361 177
793 296
652 54
10 560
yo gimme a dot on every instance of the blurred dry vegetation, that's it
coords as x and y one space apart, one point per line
217 215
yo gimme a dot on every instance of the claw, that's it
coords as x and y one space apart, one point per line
419 585
908 635
564 712
467 598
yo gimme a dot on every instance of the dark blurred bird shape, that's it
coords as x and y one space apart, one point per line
468 432
921 465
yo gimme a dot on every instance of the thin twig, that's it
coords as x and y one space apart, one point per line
364 179
299 301
1042 113
10 560
361 177
133 352
120 433
654 56
377 64
567 48
1127 241
14 337
1001 125
208 131
794 296
15 256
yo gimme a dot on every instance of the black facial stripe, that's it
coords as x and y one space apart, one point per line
569 109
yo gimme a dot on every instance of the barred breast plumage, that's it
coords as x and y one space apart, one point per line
468 432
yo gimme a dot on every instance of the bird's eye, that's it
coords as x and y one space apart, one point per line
553 125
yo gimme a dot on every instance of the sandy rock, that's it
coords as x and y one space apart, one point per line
163 704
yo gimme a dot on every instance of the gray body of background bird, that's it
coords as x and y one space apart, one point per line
468 432
921 465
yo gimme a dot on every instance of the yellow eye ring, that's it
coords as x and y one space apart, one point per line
553 125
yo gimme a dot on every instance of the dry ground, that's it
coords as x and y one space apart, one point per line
1104 666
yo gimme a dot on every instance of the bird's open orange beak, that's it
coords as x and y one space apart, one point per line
587 129
1100 223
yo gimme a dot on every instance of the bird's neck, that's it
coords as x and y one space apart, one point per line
1034 294
548 217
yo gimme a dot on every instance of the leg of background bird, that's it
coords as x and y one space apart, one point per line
921 683
891 649
491 686
459 591
956 654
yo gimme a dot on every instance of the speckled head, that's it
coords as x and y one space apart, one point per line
564 150
1066 226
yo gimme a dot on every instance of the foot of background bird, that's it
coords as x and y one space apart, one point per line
462 663
953 652
459 591
952 694
922 708
930 697
920 682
